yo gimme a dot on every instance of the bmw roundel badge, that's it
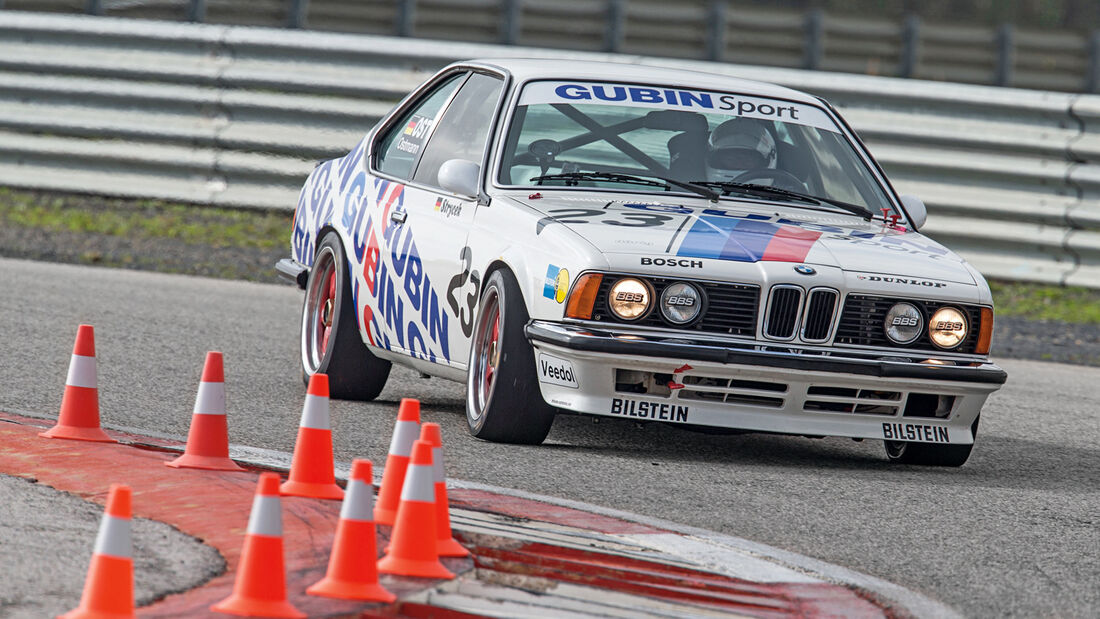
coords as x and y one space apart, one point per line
805 270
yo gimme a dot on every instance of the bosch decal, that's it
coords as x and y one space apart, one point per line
672 262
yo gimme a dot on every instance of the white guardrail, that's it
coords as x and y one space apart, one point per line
237 116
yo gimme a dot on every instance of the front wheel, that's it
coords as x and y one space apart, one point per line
330 341
503 401
931 454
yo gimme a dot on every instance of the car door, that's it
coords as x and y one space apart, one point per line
414 246
432 241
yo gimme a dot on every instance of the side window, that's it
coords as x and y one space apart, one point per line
464 128
401 144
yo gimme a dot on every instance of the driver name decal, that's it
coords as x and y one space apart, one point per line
640 95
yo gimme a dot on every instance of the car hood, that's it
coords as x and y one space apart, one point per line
749 232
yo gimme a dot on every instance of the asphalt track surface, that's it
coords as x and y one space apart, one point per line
1014 532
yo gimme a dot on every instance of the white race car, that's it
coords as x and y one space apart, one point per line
650 244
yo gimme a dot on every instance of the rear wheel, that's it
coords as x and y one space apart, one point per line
330 341
931 454
503 401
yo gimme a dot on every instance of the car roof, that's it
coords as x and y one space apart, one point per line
526 69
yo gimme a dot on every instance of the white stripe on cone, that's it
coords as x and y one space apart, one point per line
437 465
266 517
315 413
210 399
358 502
113 539
81 372
405 434
418 484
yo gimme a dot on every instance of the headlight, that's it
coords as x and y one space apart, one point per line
629 299
681 303
903 323
947 327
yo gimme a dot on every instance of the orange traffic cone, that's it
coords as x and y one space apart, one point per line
79 418
109 587
311 469
208 440
412 550
260 589
393 478
352 568
446 544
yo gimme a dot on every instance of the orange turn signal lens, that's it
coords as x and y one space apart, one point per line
985 336
582 299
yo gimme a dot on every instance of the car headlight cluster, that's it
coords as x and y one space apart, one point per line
679 303
947 327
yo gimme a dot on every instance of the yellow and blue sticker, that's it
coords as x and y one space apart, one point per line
556 284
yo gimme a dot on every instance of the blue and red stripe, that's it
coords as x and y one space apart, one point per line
746 240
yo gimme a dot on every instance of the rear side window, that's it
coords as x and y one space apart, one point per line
464 129
402 143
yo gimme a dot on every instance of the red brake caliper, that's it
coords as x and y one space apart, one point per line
329 295
492 352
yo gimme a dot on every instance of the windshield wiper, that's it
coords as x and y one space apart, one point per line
572 178
728 186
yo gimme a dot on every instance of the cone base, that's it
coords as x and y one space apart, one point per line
84 613
451 548
78 433
348 590
415 568
311 490
251 607
209 463
385 516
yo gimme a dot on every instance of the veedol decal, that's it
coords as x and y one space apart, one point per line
549 92
914 432
658 411
556 371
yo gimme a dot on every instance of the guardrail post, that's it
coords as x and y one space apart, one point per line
93 7
814 44
613 34
910 46
511 21
296 11
1092 80
1006 52
405 18
716 30
196 11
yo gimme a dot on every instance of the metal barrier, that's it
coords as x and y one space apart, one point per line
237 116
721 30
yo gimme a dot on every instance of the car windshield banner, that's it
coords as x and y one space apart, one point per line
666 98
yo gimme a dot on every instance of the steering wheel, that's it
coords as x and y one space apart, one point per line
782 178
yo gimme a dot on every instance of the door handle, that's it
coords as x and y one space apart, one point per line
398 216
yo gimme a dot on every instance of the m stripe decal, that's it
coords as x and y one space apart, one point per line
746 240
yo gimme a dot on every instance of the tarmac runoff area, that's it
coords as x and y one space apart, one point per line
531 555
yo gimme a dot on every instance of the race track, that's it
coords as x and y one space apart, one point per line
1014 532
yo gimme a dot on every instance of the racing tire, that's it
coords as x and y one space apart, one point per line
503 400
930 454
330 340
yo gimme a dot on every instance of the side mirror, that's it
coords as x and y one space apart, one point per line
459 176
917 211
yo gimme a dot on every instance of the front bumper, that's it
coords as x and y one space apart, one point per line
828 393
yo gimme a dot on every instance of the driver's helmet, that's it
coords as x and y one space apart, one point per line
737 146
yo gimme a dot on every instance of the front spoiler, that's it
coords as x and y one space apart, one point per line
583 338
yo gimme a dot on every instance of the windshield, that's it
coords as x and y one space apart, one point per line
564 131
